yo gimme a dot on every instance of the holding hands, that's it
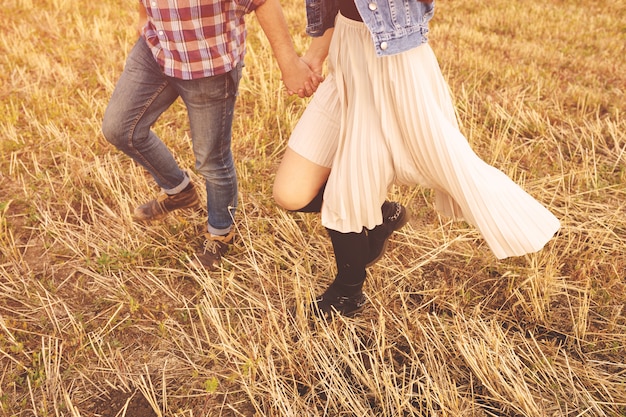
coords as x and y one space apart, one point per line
301 75
307 75
302 79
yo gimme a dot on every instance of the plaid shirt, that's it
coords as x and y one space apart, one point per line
193 39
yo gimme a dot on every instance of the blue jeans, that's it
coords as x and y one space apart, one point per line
142 94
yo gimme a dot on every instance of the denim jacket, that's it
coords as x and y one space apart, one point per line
396 25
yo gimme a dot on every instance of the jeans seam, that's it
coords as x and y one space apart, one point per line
132 130
233 185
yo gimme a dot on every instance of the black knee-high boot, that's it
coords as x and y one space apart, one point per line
345 294
395 215
351 251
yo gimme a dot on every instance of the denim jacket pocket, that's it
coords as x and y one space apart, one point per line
321 16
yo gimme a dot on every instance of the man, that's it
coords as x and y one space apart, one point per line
194 49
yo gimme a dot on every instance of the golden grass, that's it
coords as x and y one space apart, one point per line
101 316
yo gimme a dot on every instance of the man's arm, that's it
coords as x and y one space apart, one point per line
297 76
142 18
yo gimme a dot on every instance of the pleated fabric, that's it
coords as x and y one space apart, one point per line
382 120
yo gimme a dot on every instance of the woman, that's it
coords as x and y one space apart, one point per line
384 115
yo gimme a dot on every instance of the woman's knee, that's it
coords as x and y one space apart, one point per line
298 181
302 198
289 200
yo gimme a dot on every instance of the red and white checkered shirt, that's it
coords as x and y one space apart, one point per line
193 39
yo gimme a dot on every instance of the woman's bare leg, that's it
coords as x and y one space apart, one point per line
298 181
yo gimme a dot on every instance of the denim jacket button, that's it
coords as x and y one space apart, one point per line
372 6
383 45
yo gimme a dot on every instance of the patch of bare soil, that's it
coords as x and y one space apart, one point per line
121 403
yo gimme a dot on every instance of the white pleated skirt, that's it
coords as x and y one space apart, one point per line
376 121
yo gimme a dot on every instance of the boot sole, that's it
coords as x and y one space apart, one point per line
194 207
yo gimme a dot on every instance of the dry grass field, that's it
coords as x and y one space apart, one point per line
100 316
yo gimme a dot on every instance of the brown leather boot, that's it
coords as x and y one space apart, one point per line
210 256
164 203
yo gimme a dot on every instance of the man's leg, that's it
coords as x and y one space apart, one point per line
210 105
141 95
